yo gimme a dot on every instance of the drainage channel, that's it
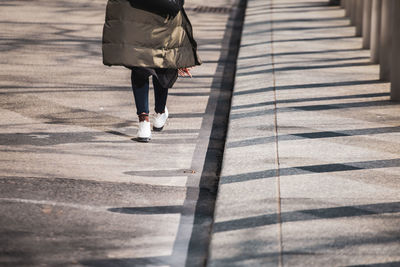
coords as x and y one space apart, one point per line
220 102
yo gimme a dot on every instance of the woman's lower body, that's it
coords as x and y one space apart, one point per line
141 94
162 80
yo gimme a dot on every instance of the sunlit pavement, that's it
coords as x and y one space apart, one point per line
311 168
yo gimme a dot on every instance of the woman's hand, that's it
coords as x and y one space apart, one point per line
185 71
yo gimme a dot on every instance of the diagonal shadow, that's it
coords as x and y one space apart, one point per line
190 94
294 68
267 12
161 173
299 40
67 88
270 258
308 86
381 103
313 135
307 40
292 53
339 106
308 215
341 242
57 138
299 5
321 168
294 28
383 264
252 66
54 113
128 262
297 20
148 210
329 84
297 100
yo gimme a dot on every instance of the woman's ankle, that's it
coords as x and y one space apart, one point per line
143 117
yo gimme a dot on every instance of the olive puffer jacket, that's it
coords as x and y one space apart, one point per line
134 37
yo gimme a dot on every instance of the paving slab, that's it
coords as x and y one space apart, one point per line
241 200
76 190
311 165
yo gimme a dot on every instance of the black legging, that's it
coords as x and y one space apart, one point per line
140 87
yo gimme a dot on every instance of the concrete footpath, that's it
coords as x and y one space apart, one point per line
310 174
75 189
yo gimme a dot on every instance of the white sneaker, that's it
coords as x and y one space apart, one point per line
144 132
159 120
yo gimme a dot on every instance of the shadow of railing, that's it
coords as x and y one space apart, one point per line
384 264
311 169
309 215
313 135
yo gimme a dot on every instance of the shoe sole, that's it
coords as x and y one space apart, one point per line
143 139
158 129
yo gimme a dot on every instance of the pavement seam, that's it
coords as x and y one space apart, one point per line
277 163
